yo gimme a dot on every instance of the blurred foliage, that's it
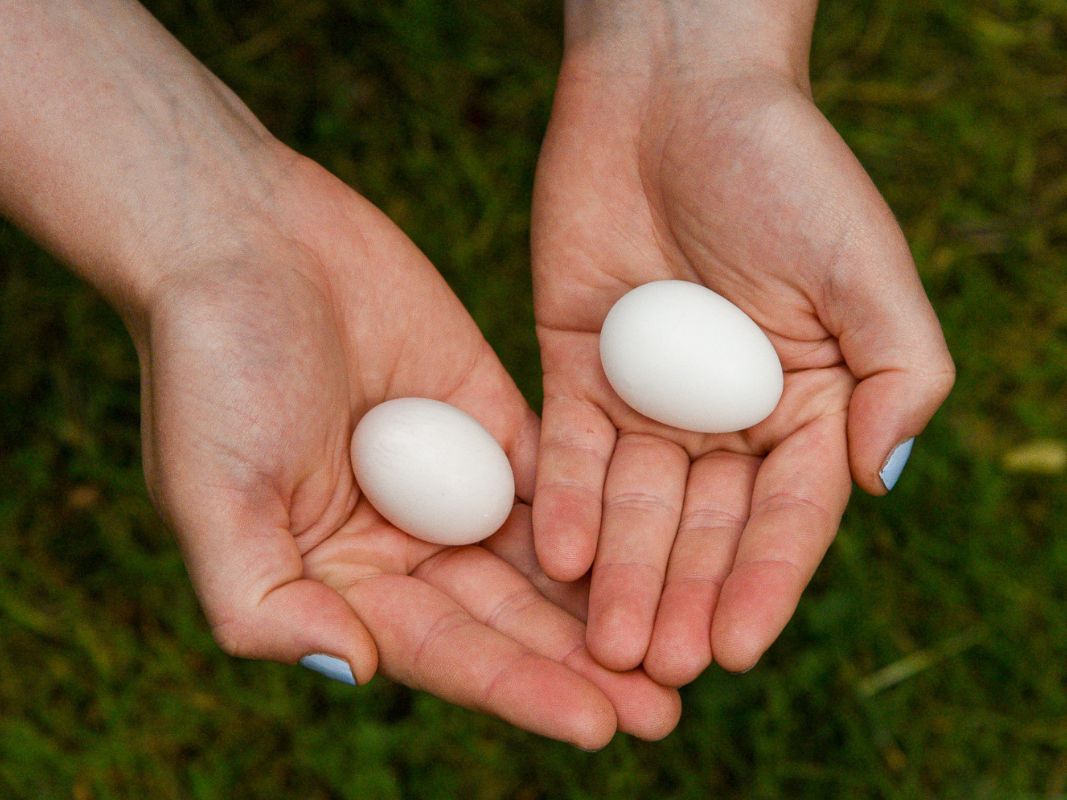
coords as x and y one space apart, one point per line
929 658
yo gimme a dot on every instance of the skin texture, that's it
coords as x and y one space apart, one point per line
271 306
254 380
667 156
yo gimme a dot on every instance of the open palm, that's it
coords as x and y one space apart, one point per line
702 544
257 367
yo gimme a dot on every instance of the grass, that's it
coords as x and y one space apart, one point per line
929 657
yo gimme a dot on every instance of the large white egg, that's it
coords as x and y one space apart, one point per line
684 356
432 470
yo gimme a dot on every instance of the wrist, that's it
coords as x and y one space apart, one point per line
122 154
689 37
200 218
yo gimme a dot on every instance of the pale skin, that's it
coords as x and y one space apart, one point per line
271 306
684 143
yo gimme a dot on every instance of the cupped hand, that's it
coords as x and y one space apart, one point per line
726 175
259 356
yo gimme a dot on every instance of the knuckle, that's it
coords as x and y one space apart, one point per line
637 570
654 448
442 630
567 487
233 635
712 519
642 503
946 378
513 606
785 502
503 675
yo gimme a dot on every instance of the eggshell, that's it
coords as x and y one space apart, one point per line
432 470
681 354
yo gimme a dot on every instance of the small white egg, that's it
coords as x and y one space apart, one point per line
682 355
432 470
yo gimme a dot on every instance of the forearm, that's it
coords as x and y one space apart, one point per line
118 150
694 34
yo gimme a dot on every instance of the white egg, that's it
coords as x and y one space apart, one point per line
432 470
684 356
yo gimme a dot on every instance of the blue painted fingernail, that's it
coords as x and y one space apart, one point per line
894 465
334 668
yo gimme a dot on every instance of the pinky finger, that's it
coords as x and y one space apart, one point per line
799 496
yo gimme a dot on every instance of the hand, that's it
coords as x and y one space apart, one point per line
271 307
257 365
669 156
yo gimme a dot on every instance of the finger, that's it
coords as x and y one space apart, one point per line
427 641
798 498
576 444
522 451
643 498
248 572
892 342
514 544
715 512
498 596
490 396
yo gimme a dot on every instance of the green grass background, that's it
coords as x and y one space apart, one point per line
929 658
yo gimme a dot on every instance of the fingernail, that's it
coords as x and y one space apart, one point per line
334 668
894 465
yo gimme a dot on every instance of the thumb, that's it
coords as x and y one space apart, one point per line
248 574
301 620
892 342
